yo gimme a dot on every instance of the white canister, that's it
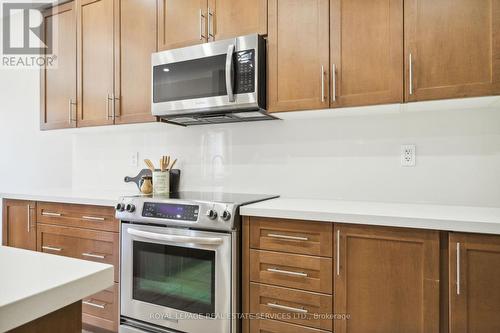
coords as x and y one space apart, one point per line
161 182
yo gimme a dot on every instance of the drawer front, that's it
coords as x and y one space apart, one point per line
291 270
81 216
99 246
272 326
292 306
302 237
101 309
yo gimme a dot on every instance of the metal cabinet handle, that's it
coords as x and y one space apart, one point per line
93 218
286 308
280 271
51 214
50 248
29 218
202 37
410 79
107 107
70 110
458 268
334 83
338 252
210 23
288 237
116 114
91 255
322 83
95 305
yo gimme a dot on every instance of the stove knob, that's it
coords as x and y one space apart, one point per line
226 216
212 214
130 208
120 207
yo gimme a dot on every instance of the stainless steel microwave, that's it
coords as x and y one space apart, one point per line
218 82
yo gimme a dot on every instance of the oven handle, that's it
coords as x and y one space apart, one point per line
175 238
230 73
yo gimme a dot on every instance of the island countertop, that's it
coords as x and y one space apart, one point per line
33 284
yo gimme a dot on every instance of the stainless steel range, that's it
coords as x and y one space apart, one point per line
180 262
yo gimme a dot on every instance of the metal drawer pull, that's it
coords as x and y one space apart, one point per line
322 83
93 218
202 37
288 237
275 270
287 308
334 83
93 255
338 252
50 248
95 305
29 218
410 79
51 214
458 268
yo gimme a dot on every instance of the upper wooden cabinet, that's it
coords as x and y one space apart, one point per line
452 48
298 55
19 224
366 52
474 266
58 84
386 279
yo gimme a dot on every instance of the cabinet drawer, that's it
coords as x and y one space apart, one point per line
101 309
291 270
293 306
272 326
79 243
302 237
81 216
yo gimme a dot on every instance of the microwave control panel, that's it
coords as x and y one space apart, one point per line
170 211
245 71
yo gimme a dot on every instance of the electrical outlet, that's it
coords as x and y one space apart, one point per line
134 159
408 155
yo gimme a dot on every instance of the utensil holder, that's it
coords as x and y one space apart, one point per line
161 182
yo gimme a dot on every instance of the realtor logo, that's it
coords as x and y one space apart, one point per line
24 28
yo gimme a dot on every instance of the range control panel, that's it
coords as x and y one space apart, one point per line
171 211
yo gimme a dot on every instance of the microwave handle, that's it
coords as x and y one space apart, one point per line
230 73
175 238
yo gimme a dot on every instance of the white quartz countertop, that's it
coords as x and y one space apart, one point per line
33 284
83 197
421 216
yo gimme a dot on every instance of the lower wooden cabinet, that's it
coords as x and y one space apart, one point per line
272 326
19 224
474 288
101 309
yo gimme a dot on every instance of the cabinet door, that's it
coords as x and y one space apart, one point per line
298 52
58 84
135 41
386 279
474 283
19 225
366 52
181 23
95 62
233 18
454 46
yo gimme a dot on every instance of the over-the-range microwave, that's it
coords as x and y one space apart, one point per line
217 82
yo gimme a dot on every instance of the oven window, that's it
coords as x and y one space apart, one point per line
175 277
197 78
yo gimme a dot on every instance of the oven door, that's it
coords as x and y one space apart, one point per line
212 77
176 278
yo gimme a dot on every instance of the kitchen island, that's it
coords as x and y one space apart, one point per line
42 292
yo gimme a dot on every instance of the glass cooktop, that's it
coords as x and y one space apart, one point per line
233 198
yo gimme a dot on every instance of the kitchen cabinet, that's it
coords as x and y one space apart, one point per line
386 279
366 43
298 55
474 288
58 84
452 48
19 224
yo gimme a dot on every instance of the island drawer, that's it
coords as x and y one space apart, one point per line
101 309
272 326
79 243
292 306
301 237
81 216
291 270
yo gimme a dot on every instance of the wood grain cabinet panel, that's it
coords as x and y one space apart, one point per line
454 46
272 326
386 279
292 236
474 288
366 52
101 309
298 55
19 224
58 83
95 31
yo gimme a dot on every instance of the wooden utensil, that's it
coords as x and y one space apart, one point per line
172 166
149 164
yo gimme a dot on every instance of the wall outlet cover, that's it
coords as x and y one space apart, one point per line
408 155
